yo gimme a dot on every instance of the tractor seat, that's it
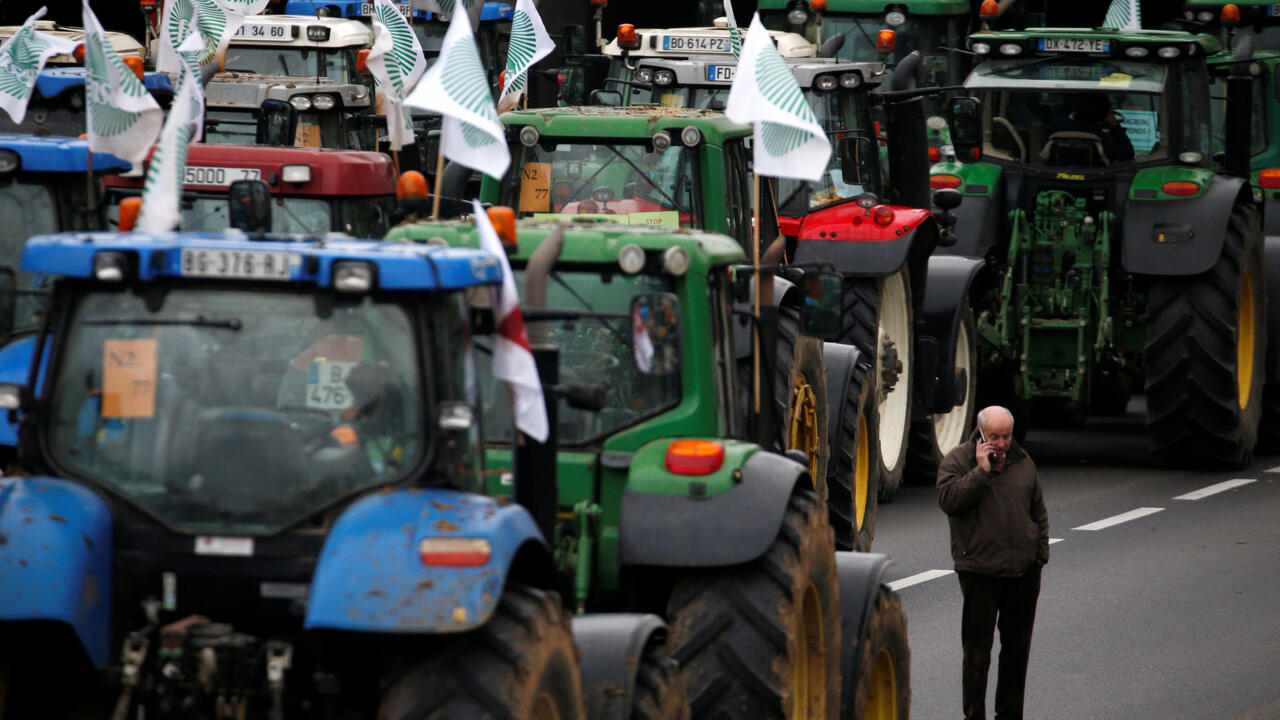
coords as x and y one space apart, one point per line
1074 149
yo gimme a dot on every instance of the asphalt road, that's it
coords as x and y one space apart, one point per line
1172 613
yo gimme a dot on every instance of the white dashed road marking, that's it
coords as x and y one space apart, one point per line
1205 492
1121 518
1055 540
1275 469
925 576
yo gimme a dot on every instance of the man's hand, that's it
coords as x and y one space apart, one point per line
989 458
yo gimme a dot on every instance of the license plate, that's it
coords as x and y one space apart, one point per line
695 44
1080 45
243 264
721 73
366 9
218 176
327 385
262 32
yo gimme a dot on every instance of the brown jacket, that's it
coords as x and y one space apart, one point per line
999 525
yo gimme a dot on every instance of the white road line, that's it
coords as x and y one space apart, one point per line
1275 469
1205 492
1053 541
923 577
1121 518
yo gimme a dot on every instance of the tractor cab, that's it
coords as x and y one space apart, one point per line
57 105
299 46
314 191
1231 21
248 109
122 43
43 189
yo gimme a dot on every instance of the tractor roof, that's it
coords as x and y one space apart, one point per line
699 70
56 155
53 81
357 9
333 172
1093 42
911 7
303 31
686 41
309 259
624 122
588 242
123 44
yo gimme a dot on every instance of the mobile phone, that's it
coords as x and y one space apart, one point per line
982 435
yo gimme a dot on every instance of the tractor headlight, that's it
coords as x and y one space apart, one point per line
323 102
351 276
110 266
631 258
301 103
529 136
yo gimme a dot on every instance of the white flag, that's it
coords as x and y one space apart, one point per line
735 34
1123 15
512 357
456 87
529 43
123 118
21 60
216 20
397 63
787 140
445 8
162 193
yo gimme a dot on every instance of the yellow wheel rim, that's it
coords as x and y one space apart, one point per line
810 681
882 690
861 474
802 426
544 707
1244 344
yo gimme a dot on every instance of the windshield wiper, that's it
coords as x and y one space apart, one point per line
231 324
643 175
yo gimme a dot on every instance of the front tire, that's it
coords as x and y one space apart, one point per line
1205 354
851 473
800 395
935 435
883 690
521 664
762 639
879 320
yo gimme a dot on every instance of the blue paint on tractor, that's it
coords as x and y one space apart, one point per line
356 9
57 155
55 558
15 369
52 82
370 577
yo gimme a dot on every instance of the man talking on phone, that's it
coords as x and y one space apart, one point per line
990 490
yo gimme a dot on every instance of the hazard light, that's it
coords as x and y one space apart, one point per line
886 41
818 5
1230 15
883 216
694 457
362 61
411 184
78 53
1269 179
1181 188
504 223
455 552
935 155
627 38
130 208
989 10
942 182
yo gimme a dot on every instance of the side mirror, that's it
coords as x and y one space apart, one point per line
831 46
277 123
611 98
250 209
8 299
823 304
856 156
574 41
655 333
947 199
964 116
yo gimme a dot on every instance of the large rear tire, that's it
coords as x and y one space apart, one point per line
521 664
660 693
851 477
936 435
800 395
879 320
1205 354
884 663
762 639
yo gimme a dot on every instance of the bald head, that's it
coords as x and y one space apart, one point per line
995 420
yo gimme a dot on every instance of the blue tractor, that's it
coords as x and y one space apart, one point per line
255 463
57 105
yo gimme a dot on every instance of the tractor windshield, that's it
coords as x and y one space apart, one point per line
331 129
235 411
28 208
1077 112
633 183
600 347
337 65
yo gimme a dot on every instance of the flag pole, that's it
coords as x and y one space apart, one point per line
91 203
755 261
435 196
395 156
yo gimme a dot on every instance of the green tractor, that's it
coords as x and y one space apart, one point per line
1117 256
670 501
685 170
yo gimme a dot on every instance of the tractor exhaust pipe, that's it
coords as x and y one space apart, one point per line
1239 109
908 153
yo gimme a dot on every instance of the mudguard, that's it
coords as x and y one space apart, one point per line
1159 235
1271 253
848 239
860 577
784 292
1271 217
370 577
840 361
612 646
945 300
15 368
726 528
55 558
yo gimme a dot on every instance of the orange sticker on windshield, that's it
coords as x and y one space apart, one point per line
129 378
535 187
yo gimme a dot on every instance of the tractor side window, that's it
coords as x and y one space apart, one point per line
720 294
1195 112
737 194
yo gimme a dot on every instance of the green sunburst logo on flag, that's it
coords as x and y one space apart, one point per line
1123 15
779 87
520 51
464 81
108 120
402 56
20 60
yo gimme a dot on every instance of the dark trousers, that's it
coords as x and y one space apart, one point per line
991 602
